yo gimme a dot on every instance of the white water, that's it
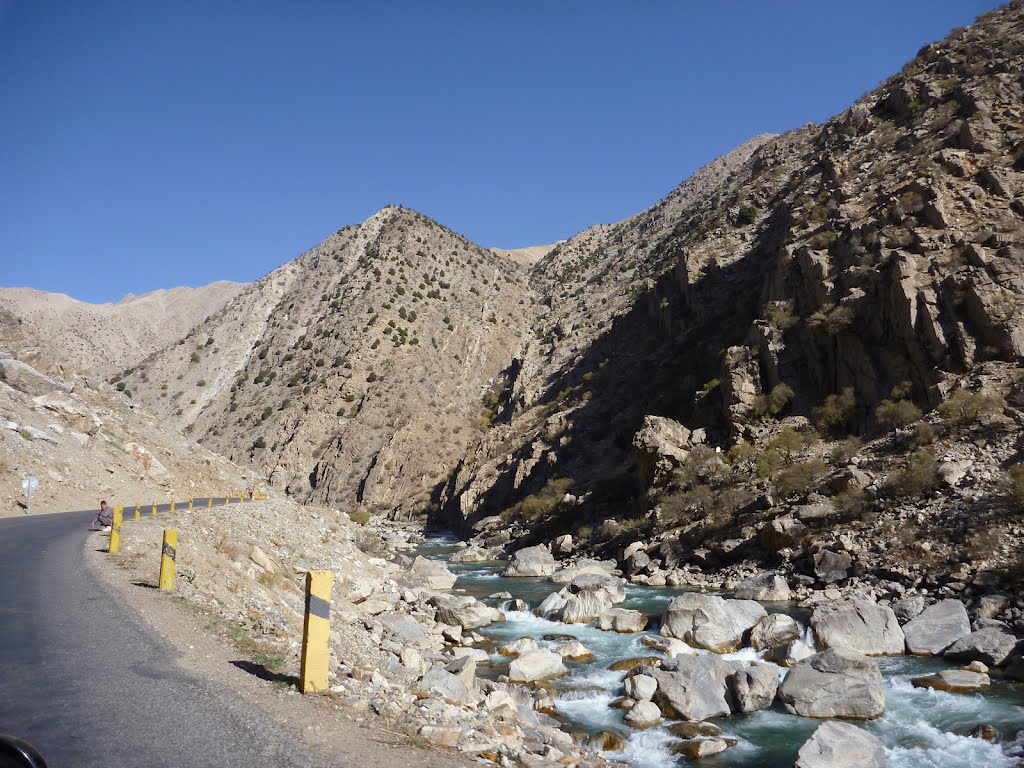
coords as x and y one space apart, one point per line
921 728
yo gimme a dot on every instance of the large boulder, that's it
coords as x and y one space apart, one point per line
710 622
531 561
471 554
754 687
773 631
661 445
953 681
463 611
587 565
790 654
834 683
640 687
841 745
768 587
439 682
831 567
937 627
991 645
643 714
622 620
405 630
25 378
859 624
433 574
584 599
697 690
536 665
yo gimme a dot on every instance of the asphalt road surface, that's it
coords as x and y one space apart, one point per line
89 684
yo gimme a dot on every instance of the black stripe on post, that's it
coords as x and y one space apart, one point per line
317 606
169 551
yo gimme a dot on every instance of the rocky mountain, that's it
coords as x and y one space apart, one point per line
85 441
833 283
820 326
359 373
106 338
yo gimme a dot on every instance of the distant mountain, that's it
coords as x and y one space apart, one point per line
84 441
106 338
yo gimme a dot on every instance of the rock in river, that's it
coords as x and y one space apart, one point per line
710 622
841 745
536 665
834 683
936 628
859 624
532 561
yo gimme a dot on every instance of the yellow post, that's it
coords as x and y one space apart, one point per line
316 631
227 498
154 509
138 511
168 553
172 503
189 503
209 502
115 530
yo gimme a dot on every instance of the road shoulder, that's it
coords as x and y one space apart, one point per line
360 737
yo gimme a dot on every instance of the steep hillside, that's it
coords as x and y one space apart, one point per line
106 338
361 372
84 441
872 261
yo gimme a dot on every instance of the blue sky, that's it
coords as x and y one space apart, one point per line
148 144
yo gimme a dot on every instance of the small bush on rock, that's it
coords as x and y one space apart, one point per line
919 476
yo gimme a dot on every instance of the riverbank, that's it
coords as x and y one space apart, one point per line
919 727
417 648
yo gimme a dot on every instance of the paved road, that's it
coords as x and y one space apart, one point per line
86 681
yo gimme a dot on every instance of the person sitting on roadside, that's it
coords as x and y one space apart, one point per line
104 518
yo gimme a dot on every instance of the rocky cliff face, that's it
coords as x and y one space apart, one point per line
874 259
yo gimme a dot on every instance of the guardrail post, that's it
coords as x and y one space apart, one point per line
316 631
115 530
154 509
227 499
209 502
172 503
138 511
168 554
189 503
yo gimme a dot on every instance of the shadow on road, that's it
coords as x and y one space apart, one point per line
263 673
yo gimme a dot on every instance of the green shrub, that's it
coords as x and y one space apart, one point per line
259 443
799 478
836 413
541 504
359 516
966 408
919 476
769 406
845 450
767 463
780 314
852 504
897 413
788 442
746 215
